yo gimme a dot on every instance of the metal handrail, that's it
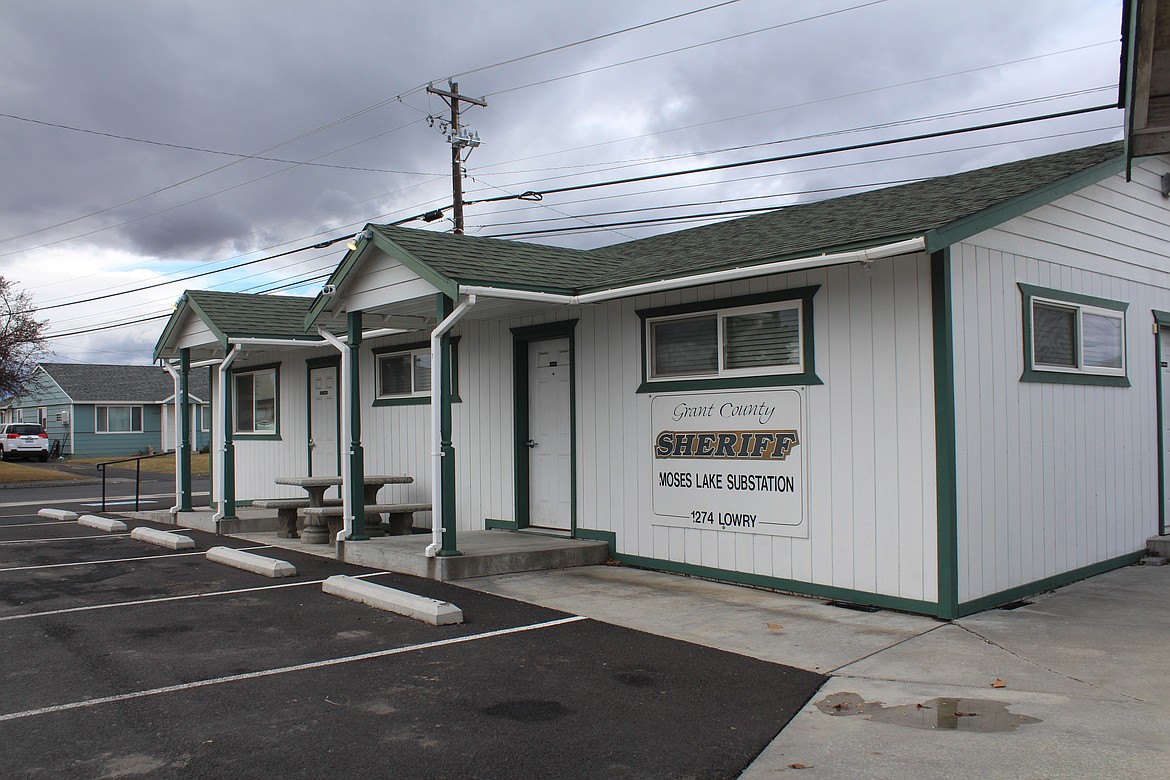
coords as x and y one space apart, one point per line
137 473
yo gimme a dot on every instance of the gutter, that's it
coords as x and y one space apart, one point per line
170 369
346 432
908 246
436 425
221 431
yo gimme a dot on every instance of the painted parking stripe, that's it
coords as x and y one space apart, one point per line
287 669
62 539
163 599
29 525
95 498
120 560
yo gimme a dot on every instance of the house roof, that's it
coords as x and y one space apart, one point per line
943 210
88 383
241 315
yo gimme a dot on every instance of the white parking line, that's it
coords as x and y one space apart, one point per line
162 599
28 525
61 539
109 499
119 560
286 669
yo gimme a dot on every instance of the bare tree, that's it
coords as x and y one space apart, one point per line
21 338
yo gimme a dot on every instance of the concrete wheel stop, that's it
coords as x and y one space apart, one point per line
433 611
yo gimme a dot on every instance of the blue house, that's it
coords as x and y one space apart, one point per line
108 410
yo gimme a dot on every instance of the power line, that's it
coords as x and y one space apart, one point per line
624 164
685 48
807 103
725 166
147 141
536 195
565 46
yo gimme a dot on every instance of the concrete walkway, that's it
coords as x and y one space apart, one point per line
1086 666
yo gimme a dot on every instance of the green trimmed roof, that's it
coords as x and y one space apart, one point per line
476 260
241 315
973 201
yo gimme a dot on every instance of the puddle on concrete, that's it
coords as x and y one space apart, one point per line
941 714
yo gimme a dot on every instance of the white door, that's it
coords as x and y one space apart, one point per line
550 455
323 421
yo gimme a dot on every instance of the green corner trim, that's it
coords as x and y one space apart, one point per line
960 229
1048 583
609 537
776 583
945 447
1161 319
1033 374
508 525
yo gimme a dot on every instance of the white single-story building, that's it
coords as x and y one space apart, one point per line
936 397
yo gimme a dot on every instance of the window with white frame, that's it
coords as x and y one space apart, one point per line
205 418
404 374
118 419
730 342
255 401
1073 337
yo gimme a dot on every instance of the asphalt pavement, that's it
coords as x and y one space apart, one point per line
129 660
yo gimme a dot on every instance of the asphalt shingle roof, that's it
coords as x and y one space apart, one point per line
246 314
86 383
866 219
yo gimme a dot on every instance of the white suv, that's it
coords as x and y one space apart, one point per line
24 440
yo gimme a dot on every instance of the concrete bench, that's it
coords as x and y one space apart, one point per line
400 522
286 512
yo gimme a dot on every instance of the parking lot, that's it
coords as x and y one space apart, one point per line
123 659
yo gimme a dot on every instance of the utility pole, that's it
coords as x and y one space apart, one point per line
459 139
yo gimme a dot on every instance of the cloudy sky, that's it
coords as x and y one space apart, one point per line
130 130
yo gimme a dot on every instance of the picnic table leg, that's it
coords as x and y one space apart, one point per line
316 530
374 525
286 522
401 523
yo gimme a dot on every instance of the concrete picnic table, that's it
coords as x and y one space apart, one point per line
315 527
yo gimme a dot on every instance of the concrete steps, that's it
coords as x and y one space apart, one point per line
1159 546
483 553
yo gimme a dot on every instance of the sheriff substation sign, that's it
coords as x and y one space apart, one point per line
730 461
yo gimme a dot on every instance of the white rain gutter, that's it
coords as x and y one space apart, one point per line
346 433
436 425
221 429
347 420
726 275
170 369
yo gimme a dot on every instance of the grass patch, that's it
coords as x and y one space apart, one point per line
13 473
200 464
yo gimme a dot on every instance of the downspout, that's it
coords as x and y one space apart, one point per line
178 474
221 433
436 424
346 401
170 369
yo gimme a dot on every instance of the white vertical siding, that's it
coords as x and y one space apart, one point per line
870 436
1054 477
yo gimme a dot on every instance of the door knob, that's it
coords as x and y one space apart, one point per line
530 443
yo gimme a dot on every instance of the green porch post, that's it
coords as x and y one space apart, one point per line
357 468
229 449
183 420
444 309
